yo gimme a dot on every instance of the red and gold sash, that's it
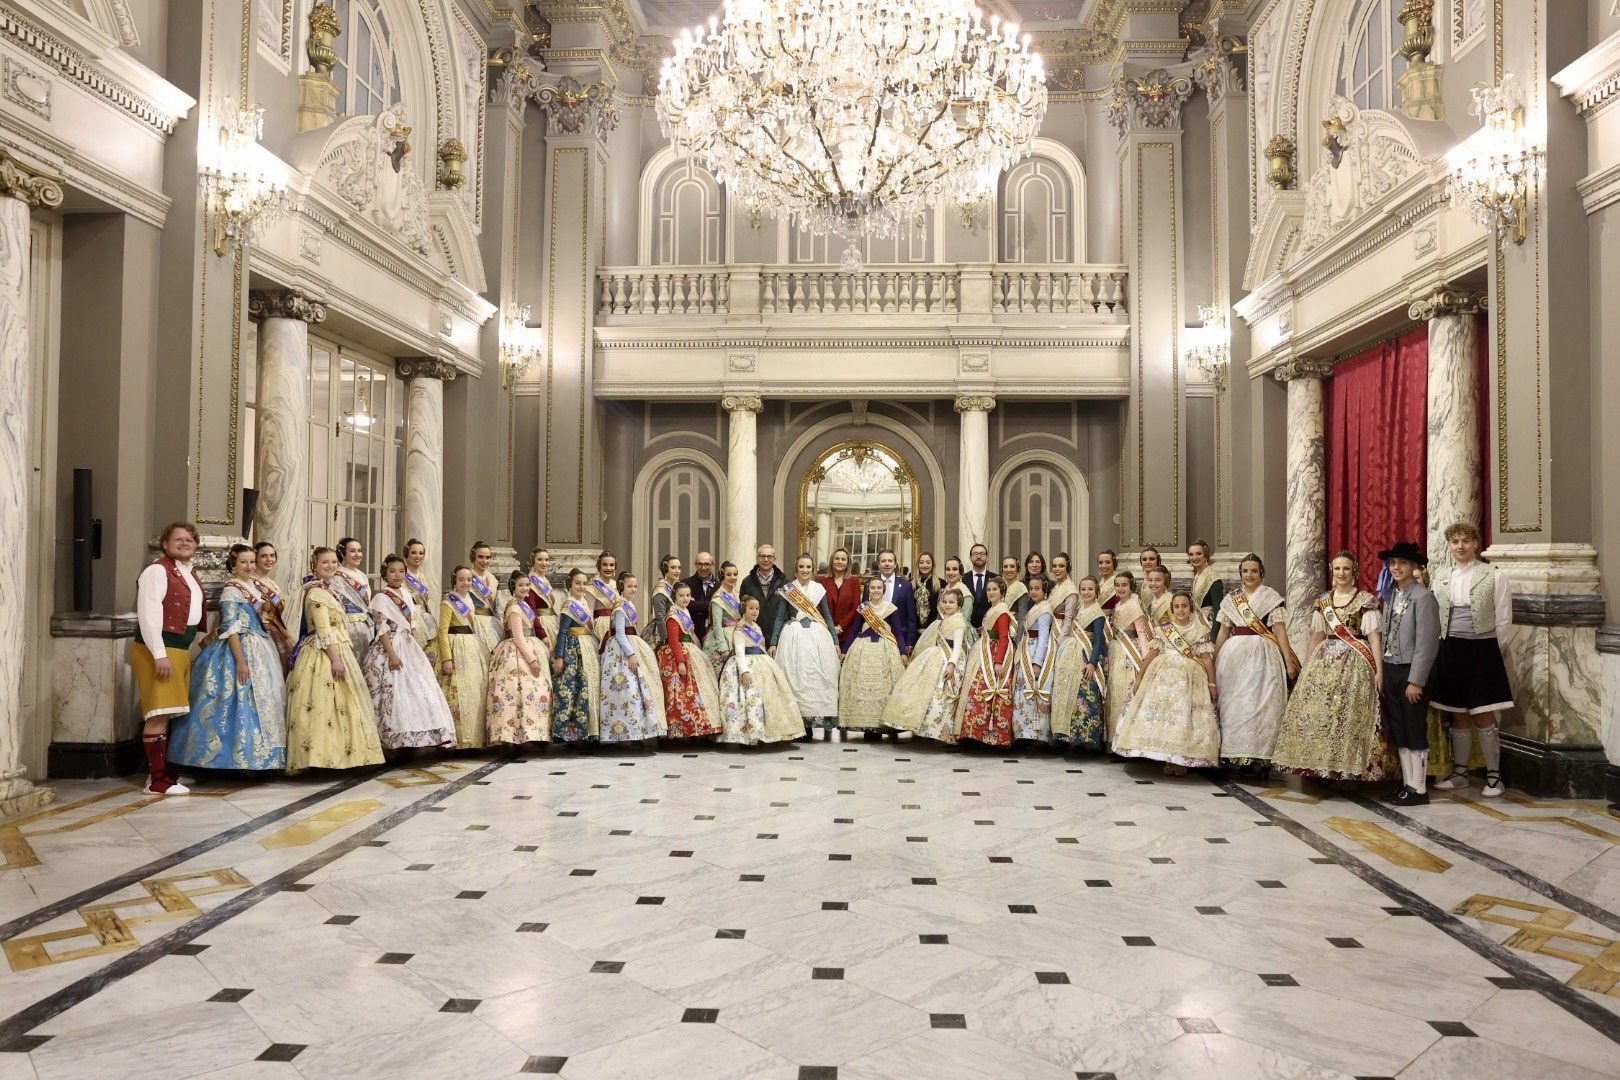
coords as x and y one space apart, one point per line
1338 629
879 625
797 597
1240 601
1177 639
997 684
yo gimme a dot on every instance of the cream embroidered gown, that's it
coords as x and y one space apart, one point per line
924 700
1171 717
871 668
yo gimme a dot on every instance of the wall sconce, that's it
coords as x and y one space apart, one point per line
1210 349
1491 172
520 345
243 198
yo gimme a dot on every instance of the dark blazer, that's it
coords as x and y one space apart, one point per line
904 619
769 606
976 587
703 590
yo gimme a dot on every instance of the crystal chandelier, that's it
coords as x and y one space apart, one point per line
520 344
853 116
1210 347
244 197
1492 171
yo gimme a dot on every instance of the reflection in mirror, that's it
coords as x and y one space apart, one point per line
860 496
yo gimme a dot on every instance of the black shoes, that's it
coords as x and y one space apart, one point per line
1407 797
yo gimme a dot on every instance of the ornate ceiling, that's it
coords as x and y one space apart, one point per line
670 15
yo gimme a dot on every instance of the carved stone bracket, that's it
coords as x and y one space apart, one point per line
19 183
1302 367
975 402
425 367
1150 102
1446 301
285 304
742 403
575 108
1223 68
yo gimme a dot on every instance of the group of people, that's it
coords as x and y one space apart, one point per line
1192 677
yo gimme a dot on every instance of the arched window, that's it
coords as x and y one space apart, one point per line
1037 511
1037 211
367 75
1372 51
685 515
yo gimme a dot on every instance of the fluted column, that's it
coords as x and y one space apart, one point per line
1306 570
423 518
974 473
20 192
282 434
1454 466
742 478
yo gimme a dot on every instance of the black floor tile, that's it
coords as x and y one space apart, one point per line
533 928
1052 978
1098 883
826 973
281 1052
1453 1028
1021 909
231 994
1344 943
470 894
395 958
947 1020
24 1044
840 858
933 939
734 935
460 1005
342 920
420 866
1001 858
537 1064
649 901
1279 980
1143 941
607 967
192 949
835 905
1203 909
700 1016
818 1072
1506 982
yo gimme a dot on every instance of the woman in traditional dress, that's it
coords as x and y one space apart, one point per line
424 605
488 599
844 597
632 697
238 717
925 699
1128 638
1033 671
1085 646
169 614
803 644
984 713
872 664
463 664
1333 728
411 709
576 672
543 598
1253 663
725 612
756 702
604 594
1208 590
1172 712
926 586
663 598
517 704
691 692
1064 660
330 722
273 613
1014 590
351 586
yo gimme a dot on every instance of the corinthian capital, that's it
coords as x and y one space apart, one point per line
1446 301
1302 367
425 367
285 304
1150 102
975 402
18 182
575 108
734 403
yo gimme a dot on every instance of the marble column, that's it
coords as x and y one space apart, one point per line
282 435
1306 563
742 480
974 474
20 192
1454 464
423 517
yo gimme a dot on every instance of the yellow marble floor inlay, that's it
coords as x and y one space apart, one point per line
423 775
1546 935
1386 845
1557 819
1282 794
18 852
320 825
112 929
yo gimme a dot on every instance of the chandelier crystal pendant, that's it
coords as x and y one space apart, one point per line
1492 171
238 185
854 117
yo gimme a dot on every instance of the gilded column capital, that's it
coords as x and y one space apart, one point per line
1302 367
975 402
1150 102
1446 301
285 304
735 403
20 183
575 108
425 367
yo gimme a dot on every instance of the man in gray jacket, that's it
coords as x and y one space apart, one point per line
1411 642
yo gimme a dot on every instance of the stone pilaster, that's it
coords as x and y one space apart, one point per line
20 192
423 517
1306 569
282 435
742 478
1454 465
974 474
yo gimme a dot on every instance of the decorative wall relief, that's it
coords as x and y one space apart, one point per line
365 163
1374 153
26 87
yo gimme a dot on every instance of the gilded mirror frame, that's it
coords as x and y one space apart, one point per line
904 475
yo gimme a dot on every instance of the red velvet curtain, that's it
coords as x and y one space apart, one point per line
1377 449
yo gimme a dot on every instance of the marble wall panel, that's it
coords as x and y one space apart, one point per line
92 692
1557 684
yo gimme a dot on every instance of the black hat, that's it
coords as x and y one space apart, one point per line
1405 549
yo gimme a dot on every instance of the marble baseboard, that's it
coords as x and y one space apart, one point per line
1559 610
1611 786
1557 678
91 624
1555 772
93 696
1608 640
93 761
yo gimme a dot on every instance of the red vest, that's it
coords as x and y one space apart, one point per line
177 601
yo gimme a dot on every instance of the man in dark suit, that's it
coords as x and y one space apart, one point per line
898 591
977 575
765 583
704 583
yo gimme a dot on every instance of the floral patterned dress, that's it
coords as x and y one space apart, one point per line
632 701
517 704
330 723
925 699
872 666
764 711
986 707
411 709
1334 728
1128 639
1034 670
692 701
576 690
1171 717
1088 720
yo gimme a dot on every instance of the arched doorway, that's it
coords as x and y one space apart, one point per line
860 495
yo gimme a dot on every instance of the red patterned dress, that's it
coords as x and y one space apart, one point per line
987 702
691 701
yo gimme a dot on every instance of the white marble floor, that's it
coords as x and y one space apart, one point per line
858 911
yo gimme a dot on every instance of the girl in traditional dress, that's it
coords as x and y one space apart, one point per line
1333 728
1128 638
872 664
1014 591
1172 712
604 594
756 702
576 672
424 605
1150 559
543 598
663 598
844 597
330 722
1085 645
411 709
802 642
632 697
463 664
517 704
1253 663
351 586
1033 670
487 599
953 580
1156 600
1208 590
238 716
273 613
1064 661
691 692
169 614
985 711
926 586
925 699
725 612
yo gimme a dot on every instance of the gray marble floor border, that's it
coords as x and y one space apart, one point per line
1578 904
53 1005
1572 1001
58 908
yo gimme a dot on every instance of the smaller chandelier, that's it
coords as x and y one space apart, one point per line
244 198
520 344
1210 348
1492 171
